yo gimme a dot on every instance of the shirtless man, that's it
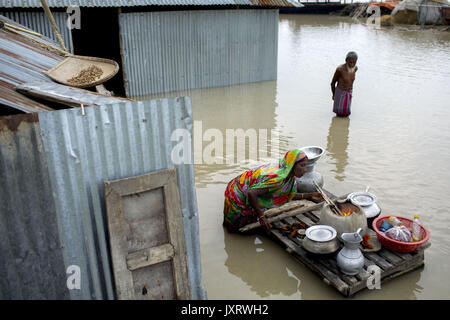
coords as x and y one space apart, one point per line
342 93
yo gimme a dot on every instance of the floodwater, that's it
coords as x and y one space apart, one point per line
397 141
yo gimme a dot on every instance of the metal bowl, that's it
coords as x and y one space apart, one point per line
321 233
313 152
363 199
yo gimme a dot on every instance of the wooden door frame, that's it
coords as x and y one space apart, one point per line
123 261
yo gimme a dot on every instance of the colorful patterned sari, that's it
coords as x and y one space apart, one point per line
237 209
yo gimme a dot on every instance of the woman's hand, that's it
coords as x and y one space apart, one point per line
317 197
314 196
265 223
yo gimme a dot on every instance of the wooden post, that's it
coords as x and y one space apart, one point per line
53 23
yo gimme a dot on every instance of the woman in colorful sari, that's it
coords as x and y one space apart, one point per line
264 187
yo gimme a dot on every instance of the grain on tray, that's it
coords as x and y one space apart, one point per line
86 76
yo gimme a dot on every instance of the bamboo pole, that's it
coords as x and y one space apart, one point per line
41 43
53 23
20 29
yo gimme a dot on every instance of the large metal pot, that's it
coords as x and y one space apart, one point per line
320 239
367 201
305 184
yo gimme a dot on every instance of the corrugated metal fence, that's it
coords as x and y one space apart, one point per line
182 50
107 143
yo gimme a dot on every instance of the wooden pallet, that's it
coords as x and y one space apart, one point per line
392 264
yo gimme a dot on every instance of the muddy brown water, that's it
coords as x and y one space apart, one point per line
397 141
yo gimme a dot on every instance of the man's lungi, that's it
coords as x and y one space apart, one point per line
342 102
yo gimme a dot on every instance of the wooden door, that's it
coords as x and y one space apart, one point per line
146 237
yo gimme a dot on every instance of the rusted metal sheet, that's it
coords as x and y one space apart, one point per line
31 259
140 3
15 100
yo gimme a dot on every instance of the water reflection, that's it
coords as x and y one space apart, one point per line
247 260
219 113
337 143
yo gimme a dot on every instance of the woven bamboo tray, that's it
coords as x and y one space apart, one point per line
72 66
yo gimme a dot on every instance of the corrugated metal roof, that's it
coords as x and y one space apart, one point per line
31 263
21 61
108 143
134 3
38 21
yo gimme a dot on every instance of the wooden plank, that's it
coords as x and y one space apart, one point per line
378 260
290 213
146 182
331 264
315 213
290 220
368 263
176 235
390 257
312 217
118 242
305 220
150 256
404 256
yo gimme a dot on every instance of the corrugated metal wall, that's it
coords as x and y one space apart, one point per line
31 260
53 211
182 50
108 143
38 21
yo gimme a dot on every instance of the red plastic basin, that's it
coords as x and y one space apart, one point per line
399 246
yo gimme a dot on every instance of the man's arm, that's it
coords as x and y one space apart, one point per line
334 81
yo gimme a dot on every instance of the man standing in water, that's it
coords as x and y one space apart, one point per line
342 93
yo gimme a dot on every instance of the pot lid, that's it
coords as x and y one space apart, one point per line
362 198
321 233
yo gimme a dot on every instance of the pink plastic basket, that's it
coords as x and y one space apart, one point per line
399 246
